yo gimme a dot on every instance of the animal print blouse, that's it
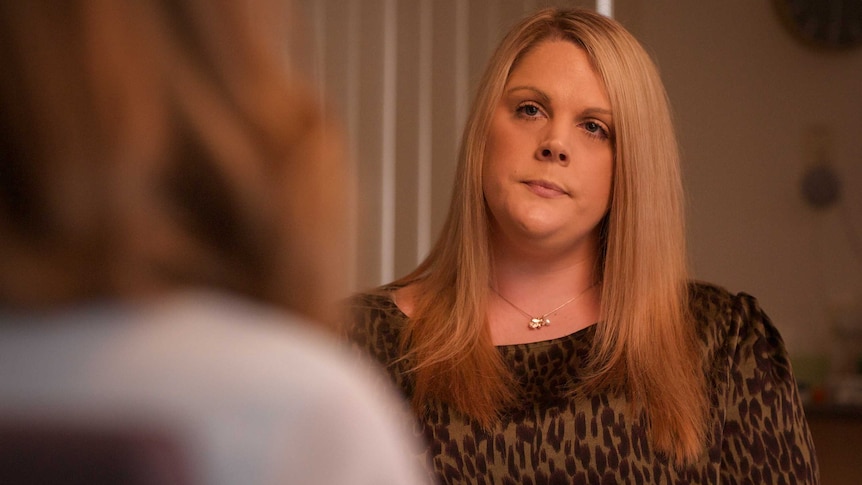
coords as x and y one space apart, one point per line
759 435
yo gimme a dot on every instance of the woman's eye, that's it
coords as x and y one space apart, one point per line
529 110
595 129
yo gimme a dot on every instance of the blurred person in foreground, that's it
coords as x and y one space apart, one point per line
171 212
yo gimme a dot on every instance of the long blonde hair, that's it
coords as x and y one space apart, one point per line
148 146
645 343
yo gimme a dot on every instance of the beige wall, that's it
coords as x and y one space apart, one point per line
746 95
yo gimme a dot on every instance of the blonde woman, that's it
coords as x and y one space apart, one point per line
170 208
553 334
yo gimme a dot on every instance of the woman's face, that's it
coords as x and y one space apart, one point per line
549 159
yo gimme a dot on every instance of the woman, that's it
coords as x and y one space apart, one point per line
552 335
170 203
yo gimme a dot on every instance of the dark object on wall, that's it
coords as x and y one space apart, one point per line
832 24
821 187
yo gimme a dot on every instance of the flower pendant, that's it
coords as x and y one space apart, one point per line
539 322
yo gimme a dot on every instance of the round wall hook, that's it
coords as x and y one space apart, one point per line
821 186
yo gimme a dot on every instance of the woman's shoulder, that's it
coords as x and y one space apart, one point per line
732 321
374 299
375 321
713 303
374 306
710 299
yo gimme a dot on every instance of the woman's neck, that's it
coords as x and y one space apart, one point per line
565 295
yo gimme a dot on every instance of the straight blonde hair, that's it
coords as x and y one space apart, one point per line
645 344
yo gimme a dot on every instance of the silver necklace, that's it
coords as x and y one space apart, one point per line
541 321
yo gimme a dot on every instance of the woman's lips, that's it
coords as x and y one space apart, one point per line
546 189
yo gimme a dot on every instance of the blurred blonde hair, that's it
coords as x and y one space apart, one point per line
148 146
645 344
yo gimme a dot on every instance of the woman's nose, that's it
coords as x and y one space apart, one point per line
553 150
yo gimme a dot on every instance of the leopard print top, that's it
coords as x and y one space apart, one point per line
759 435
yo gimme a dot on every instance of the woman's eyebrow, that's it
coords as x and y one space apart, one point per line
541 94
596 110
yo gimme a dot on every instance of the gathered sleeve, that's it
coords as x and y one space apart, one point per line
765 437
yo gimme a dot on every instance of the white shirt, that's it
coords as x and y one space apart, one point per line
256 396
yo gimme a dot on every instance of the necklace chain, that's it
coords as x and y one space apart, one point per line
538 322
